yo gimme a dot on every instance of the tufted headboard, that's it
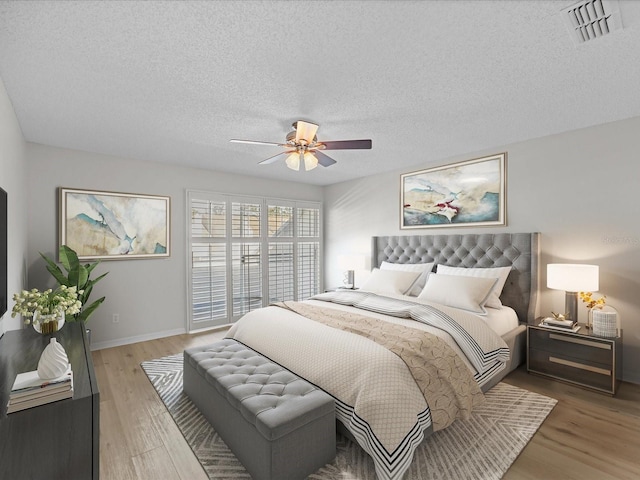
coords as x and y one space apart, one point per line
518 250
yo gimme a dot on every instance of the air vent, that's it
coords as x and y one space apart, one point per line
592 19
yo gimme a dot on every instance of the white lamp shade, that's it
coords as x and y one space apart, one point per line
310 161
572 277
293 161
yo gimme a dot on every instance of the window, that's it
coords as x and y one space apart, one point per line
247 252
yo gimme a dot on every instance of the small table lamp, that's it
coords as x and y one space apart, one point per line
572 278
351 263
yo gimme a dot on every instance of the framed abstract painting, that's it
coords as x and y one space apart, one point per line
470 193
114 226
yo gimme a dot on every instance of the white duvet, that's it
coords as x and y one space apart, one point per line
376 396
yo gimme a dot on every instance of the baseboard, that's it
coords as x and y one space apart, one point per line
139 338
212 329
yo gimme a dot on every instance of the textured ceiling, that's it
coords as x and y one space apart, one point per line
172 82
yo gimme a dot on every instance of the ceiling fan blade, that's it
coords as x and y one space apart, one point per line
275 158
254 142
324 160
346 145
305 131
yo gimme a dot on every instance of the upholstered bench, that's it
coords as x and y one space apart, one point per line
278 425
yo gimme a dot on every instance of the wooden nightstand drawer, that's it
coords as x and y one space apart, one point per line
590 374
576 346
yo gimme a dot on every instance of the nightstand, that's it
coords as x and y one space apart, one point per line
580 358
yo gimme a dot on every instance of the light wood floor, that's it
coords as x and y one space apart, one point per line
588 436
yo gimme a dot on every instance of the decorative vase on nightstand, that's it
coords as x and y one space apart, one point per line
47 324
605 322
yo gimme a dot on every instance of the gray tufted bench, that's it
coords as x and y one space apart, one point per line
278 425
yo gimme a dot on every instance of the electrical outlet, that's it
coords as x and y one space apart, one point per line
116 318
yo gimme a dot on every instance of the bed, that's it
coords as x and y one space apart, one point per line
403 366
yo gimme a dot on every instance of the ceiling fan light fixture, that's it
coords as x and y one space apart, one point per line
310 161
293 161
305 131
302 147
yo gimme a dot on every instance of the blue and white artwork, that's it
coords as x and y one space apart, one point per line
114 225
462 194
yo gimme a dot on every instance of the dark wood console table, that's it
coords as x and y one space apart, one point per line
58 440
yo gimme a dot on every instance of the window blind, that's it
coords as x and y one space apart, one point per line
247 252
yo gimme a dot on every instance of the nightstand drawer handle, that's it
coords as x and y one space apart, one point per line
562 338
581 366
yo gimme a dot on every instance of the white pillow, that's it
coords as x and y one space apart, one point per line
423 268
389 281
501 273
458 291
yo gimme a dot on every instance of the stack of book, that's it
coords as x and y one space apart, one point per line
29 390
560 324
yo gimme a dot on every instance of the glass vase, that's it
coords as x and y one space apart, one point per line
47 324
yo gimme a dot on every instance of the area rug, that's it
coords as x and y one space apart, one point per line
481 448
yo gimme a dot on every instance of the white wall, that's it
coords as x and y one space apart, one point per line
149 295
13 176
579 189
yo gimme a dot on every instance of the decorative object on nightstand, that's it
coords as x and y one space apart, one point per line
351 263
559 322
572 278
593 305
605 322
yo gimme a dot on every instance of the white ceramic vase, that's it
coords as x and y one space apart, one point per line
53 361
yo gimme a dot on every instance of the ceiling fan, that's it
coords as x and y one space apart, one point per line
303 147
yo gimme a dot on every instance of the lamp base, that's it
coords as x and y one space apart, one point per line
571 306
349 279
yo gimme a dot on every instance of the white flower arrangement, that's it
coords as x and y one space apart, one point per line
62 299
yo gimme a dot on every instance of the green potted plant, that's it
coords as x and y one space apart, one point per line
76 275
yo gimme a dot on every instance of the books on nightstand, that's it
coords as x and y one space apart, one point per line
558 324
29 390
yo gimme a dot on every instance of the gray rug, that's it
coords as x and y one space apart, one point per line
483 447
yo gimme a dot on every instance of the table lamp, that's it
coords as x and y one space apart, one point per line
572 278
351 263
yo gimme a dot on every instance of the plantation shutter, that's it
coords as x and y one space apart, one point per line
208 280
308 271
281 261
246 265
247 252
